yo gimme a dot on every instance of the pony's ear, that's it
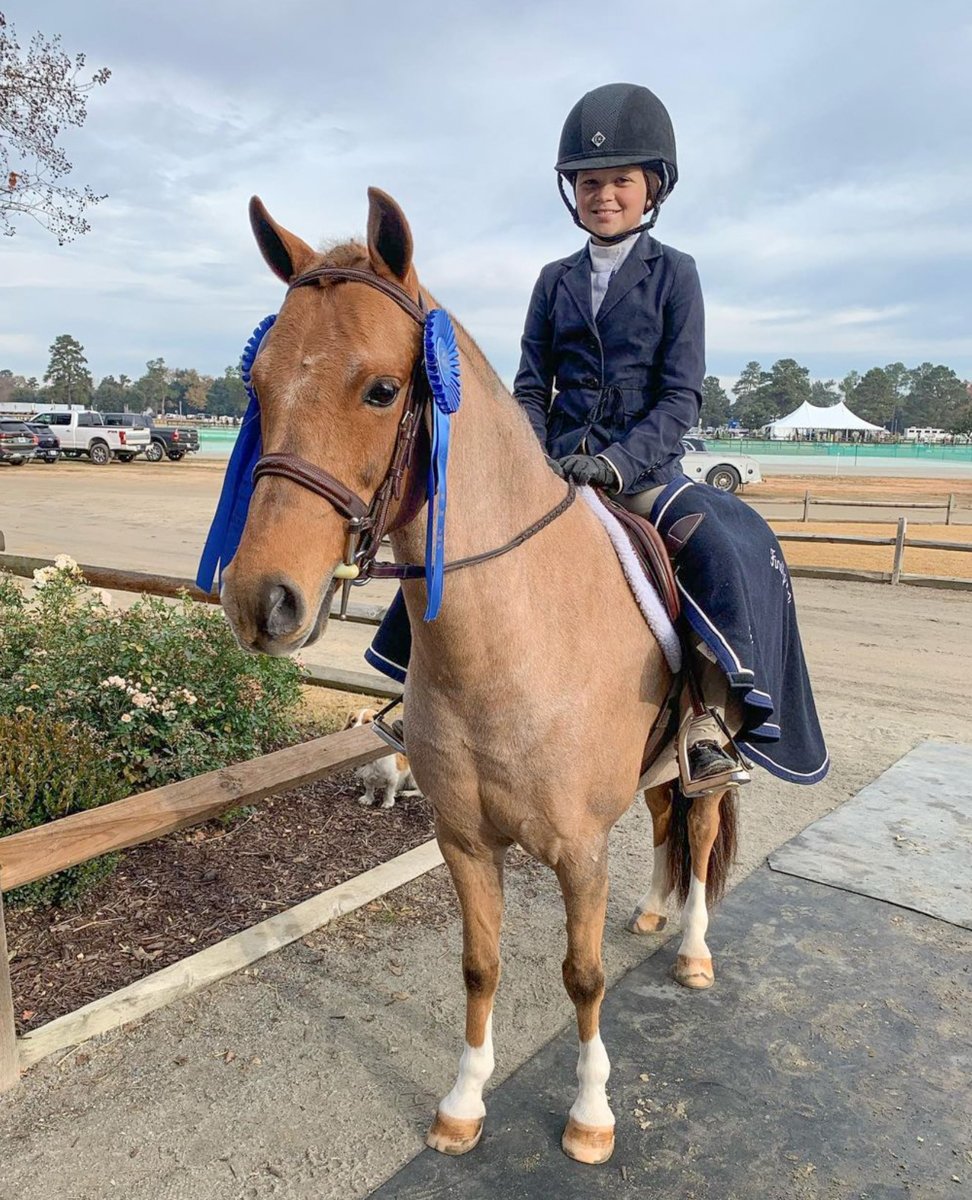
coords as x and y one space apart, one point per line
389 237
284 253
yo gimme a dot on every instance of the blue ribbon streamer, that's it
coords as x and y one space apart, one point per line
226 529
442 369
435 531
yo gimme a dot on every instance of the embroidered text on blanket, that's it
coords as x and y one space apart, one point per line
778 564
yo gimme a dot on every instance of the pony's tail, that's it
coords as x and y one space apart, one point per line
723 853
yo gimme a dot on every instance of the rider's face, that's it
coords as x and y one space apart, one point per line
611 201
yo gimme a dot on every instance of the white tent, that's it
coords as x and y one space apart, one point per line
836 417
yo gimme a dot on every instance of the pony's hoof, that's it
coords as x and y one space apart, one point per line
694 972
588 1143
454 1135
646 922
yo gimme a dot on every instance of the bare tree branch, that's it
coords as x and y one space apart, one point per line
42 90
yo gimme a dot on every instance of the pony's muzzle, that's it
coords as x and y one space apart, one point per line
267 614
280 610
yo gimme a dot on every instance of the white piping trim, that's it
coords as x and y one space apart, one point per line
687 483
390 661
617 473
770 763
729 649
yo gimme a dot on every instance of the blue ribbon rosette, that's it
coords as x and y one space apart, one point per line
234 499
442 369
441 354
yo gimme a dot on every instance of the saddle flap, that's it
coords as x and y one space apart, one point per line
650 550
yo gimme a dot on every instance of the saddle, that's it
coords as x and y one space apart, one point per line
654 552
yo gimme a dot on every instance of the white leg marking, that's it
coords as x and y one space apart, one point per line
389 800
695 921
593 1069
465 1101
654 900
368 798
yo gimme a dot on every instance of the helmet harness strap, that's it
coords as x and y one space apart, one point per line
620 237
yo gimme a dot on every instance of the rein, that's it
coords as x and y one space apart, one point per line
367 524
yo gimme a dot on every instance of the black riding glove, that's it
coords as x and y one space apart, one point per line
585 468
555 466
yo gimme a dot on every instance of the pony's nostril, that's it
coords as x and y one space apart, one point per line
284 611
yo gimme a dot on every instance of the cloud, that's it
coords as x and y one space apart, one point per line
824 176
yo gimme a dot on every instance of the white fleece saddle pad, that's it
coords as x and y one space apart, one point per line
648 599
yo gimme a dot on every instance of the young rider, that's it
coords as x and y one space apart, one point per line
613 344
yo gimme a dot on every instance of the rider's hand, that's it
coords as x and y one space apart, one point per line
555 466
585 468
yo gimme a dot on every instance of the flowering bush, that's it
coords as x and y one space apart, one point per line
166 686
49 768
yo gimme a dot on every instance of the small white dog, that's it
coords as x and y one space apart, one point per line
390 775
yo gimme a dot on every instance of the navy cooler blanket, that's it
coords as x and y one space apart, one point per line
737 596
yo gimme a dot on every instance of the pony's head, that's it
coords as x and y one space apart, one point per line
332 376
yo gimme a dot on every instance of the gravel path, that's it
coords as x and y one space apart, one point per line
315 1073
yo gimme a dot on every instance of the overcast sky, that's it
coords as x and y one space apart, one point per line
825 161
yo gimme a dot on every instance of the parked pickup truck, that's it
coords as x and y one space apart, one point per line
175 443
86 433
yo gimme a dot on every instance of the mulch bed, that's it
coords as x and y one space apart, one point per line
189 890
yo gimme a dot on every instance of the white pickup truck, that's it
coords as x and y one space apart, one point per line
86 433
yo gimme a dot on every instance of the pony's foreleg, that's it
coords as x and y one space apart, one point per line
478 880
649 915
589 1135
693 967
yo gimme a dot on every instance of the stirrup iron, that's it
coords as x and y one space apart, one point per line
735 776
385 731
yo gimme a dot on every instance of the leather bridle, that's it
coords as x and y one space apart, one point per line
367 524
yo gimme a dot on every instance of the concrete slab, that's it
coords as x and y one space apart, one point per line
831 1061
905 838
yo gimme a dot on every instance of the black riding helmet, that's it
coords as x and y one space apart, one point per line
618 125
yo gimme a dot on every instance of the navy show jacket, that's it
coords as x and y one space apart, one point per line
628 384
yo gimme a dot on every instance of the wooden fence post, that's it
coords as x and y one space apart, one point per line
9 1070
948 511
806 506
899 546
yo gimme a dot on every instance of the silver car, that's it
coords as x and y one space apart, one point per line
725 471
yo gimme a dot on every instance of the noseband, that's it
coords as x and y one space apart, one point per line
367 524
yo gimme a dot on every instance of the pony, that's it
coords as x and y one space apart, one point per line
530 698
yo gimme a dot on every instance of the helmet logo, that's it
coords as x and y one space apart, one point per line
599 139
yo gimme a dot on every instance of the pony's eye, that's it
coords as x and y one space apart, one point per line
382 393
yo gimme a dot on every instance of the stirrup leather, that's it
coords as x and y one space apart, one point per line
713 784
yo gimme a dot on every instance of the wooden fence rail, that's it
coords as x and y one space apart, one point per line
171 586
36 853
900 542
948 507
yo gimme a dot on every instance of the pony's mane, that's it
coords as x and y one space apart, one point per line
345 254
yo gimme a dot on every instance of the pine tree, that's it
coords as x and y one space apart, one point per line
67 374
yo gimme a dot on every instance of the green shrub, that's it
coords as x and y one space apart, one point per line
166 686
49 769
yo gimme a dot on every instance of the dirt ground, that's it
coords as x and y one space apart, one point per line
315 1073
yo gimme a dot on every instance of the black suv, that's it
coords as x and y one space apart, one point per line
17 443
48 443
